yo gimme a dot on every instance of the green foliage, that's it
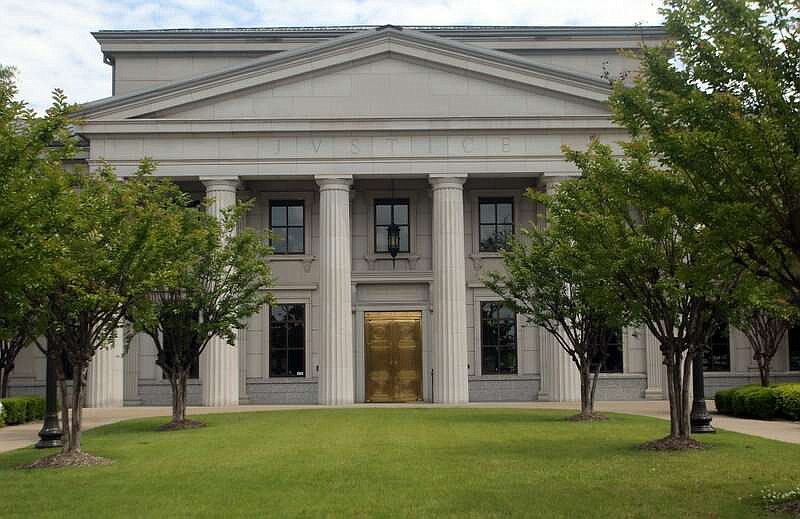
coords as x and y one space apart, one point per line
725 116
32 150
788 396
22 409
762 403
547 280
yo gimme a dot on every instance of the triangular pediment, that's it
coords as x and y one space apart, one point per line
388 73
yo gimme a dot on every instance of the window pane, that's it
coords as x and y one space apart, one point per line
295 239
504 233
383 215
278 366
287 341
296 335
278 217
487 213
404 239
488 333
381 239
296 363
278 313
488 311
296 215
279 240
277 337
508 360
506 332
488 242
491 362
401 214
505 213
717 354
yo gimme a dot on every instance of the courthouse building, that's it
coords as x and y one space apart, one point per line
390 162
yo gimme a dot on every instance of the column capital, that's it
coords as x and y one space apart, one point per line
438 180
334 181
551 183
221 183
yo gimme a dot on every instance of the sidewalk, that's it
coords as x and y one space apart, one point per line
18 436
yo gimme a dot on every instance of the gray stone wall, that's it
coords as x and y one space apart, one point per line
159 393
624 387
282 392
517 389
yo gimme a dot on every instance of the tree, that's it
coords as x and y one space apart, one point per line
220 278
33 149
634 225
113 238
761 311
725 114
545 281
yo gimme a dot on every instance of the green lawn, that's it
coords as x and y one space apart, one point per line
400 462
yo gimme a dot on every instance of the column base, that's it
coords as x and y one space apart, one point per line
654 394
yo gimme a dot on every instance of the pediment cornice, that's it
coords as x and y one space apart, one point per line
387 41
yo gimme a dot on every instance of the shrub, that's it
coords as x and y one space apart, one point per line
724 401
788 396
22 409
762 403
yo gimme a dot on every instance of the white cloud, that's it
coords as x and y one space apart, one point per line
50 42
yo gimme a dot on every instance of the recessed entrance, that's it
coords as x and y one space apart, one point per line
393 344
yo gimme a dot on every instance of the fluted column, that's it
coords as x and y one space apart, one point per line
560 380
104 383
450 374
219 363
131 366
656 371
336 369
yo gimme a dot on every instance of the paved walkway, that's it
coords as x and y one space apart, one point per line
19 436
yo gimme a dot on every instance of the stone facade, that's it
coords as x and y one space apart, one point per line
334 120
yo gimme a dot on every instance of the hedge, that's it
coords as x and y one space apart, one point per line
22 409
762 403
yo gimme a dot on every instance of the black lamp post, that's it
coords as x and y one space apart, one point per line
700 419
50 435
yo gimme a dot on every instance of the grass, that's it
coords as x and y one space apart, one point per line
400 463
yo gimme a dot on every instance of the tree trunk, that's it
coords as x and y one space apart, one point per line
678 370
763 370
178 383
78 396
62 386
586 395
5 374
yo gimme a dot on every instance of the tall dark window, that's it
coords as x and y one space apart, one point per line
387 212
794 348
717 354
498 339
287 222
612 361
287 341
496 223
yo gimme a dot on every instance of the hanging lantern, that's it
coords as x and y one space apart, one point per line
393 239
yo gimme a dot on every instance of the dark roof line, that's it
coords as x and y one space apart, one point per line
527 29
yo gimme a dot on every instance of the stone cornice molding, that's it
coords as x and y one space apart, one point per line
342 50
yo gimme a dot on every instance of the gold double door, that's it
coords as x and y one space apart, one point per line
393 351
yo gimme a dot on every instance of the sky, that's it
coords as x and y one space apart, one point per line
49 41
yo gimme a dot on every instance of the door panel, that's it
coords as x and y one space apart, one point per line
393 344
